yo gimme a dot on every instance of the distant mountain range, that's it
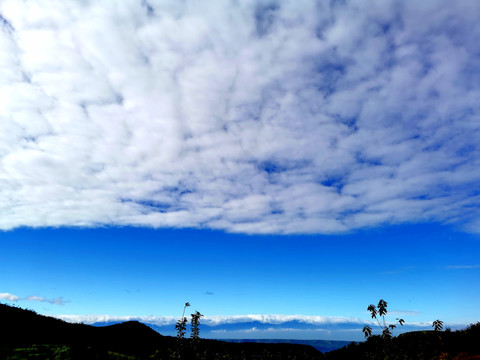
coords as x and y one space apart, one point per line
272 327
321 345
209 331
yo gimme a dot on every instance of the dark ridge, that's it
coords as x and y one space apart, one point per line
21 327
416 345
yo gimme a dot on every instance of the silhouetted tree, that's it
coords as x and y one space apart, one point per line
378 313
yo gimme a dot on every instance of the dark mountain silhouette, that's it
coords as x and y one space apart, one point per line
23 327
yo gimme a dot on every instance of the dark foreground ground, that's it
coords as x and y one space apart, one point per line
27 335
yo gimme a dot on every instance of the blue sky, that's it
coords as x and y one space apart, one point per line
425 272
253 157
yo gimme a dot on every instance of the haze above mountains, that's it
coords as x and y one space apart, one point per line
266 327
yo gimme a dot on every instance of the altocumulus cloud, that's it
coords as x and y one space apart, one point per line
247 116
15 298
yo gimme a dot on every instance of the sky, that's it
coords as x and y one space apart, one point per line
288 158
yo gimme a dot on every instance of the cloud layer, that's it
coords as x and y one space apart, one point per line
248 116
215 320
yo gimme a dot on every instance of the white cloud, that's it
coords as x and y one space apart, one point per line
9 297
296 118
56 301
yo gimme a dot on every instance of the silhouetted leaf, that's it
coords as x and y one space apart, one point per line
367 330
373 310
382 307
438 325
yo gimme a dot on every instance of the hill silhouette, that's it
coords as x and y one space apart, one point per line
23 327
20 329
421 345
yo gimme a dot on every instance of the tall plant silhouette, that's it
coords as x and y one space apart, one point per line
195 331
181 325
378 313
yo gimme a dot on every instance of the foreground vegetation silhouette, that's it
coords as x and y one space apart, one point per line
27 335
378 313
413 345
